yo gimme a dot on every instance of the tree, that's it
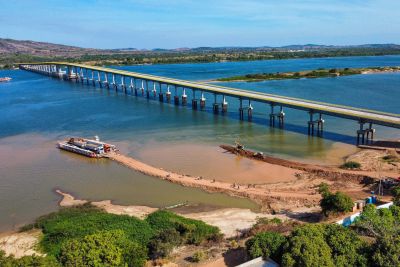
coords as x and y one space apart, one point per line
162 244
266 244
347 247
396 195
27 261
387 251
334 202
106 248
306 246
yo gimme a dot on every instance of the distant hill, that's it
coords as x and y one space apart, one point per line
43 49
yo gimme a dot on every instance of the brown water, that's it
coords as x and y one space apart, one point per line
31 167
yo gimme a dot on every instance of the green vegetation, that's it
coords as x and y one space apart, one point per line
27 261
350 165
196 55
198 256
266 244
334 202
396 195
192 231
320 73
311 245
88 236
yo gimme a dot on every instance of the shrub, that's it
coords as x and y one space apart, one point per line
192 231
396 195
334 202
266 244
78 222
163 243
199 256
351 165
27 261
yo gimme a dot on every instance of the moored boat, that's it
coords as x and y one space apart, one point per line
92 148
5 79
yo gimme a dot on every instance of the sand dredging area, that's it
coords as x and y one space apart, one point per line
293 195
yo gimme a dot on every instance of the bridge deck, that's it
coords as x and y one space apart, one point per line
376 117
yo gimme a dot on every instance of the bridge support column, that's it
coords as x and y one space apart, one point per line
365 135
224 105
160 94
99 79
147 90
123 86
184 98
142 88
131 86
281 117
114 84
250 111
194 100
241 113
154 90
93 79
106 83
320 125
311 124
202 101
176 97
215 105
168 95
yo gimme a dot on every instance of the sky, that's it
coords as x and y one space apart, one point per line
147 24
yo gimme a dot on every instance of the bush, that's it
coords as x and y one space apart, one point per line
27 261
163 243
199 256
192 231
350 165
396 195
266 244
106 248
334 202
78 222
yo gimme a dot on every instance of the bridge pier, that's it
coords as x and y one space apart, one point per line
202 101
114 84
365 135
160 94
250 112
142 88
184 98
99 79
123 86
106 80
147 90
176 97
273 116
194 100
154 90
312 122
131 86
215 105
168 95
224 105
241 113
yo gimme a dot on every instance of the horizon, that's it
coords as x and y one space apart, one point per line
177 24
196 47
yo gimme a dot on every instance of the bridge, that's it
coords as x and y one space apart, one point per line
138 83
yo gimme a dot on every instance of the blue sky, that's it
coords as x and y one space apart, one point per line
189 23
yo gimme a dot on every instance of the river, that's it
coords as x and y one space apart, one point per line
36 111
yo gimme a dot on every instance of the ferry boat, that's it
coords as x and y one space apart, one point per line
92 148
5 79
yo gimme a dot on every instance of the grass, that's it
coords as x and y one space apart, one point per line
351 165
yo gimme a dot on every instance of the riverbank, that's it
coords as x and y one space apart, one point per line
287 195
308 74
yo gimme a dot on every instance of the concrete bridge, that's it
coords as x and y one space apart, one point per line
138 84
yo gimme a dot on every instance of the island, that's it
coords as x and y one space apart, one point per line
318 73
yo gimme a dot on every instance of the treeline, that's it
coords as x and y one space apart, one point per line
319 73
196 56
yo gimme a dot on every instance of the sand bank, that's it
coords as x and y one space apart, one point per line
20 244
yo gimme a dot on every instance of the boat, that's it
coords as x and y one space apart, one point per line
5 79
91 148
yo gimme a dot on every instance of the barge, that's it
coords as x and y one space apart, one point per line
92 148
5 79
